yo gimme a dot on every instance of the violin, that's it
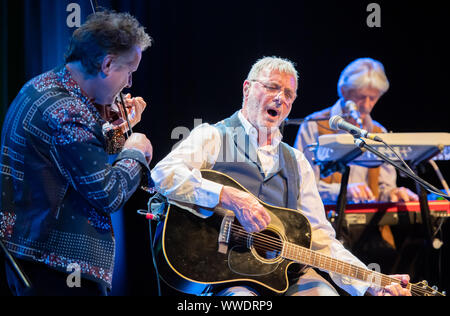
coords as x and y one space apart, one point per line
120 120
117 115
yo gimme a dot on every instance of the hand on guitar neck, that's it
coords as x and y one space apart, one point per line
249 212
394 289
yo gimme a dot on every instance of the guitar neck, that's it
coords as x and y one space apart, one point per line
317 260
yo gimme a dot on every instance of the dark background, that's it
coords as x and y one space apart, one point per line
202 53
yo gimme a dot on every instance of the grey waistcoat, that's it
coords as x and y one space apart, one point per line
238 159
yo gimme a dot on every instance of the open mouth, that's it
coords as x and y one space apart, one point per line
272 113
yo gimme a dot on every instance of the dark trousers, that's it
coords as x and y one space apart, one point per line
49 282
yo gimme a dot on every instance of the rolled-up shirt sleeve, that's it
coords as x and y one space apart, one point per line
178 175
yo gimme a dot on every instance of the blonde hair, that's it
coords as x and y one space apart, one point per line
363 73
273 63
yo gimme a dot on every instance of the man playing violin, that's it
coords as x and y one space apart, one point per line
58 187
248 147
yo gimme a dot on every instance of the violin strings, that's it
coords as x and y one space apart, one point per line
130 130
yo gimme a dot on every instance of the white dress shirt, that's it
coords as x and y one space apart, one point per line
178 177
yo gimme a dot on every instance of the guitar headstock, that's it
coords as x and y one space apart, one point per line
423 289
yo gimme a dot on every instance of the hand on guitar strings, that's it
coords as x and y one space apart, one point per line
249 212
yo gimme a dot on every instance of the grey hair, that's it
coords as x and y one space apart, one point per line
273 63
363 73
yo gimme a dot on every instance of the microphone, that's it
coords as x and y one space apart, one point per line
354 113
337 122
296 121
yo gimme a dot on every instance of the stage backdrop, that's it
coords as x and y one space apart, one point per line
202 53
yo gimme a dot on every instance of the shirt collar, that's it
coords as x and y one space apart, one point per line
74 89
338 109
252 132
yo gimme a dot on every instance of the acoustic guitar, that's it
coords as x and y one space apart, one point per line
196 254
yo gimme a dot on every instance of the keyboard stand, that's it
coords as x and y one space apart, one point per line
342 166
342 202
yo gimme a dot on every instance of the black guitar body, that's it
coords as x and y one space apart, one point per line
189 259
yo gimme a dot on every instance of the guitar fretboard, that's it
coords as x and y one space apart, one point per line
315 259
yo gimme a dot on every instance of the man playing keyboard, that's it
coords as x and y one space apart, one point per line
360 86
362 83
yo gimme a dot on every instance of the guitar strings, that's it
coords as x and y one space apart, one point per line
415 289
264 242
326 259
271 240
263 246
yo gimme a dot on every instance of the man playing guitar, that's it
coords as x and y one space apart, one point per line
247 146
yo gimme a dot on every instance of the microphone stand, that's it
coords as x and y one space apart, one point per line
362 144
299 121
424 209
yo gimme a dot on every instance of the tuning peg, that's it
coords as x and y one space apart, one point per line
444 293
434 287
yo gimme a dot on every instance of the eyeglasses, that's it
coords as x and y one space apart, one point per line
275 89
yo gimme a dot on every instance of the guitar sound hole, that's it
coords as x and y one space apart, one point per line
267 244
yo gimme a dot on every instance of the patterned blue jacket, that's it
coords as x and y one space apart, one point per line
57 187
